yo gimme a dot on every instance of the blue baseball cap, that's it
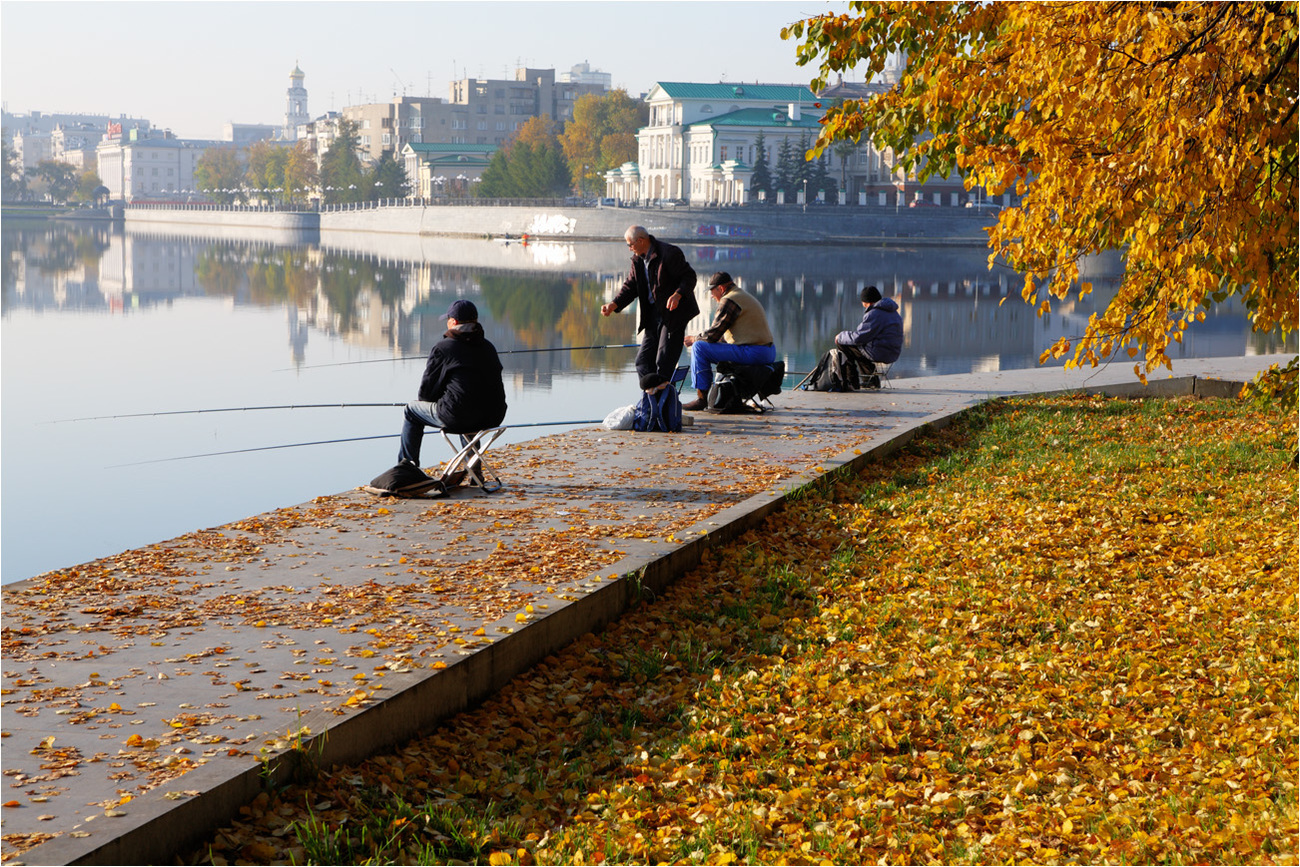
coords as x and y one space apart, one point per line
462 311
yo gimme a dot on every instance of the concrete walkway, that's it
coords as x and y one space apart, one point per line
148 696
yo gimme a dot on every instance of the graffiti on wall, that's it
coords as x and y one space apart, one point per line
551 224
714 230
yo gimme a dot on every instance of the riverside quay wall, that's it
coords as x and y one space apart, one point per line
820 224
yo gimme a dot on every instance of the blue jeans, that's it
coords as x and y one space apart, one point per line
418 414
704 355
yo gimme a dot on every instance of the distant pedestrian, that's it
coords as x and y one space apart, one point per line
461 390
664 284
739 334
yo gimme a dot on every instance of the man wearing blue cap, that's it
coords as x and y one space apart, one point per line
461 391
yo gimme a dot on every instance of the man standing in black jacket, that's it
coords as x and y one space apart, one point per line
664 283
461 391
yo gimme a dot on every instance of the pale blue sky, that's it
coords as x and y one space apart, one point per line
193 66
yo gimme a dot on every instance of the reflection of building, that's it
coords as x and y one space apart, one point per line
139 271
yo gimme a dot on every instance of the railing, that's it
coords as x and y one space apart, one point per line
155 205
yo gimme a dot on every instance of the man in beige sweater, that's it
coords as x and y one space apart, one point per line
739 334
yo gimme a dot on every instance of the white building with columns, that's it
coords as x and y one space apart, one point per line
701 146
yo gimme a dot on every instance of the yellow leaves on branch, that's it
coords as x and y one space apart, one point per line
1167 132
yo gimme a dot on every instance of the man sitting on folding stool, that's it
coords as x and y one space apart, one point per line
461 391
739 334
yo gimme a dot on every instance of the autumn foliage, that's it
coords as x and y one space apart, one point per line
960 655
1167 131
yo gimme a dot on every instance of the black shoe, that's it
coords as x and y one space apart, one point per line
695 405
873 381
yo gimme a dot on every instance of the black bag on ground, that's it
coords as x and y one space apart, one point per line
835 371
736 384
403 480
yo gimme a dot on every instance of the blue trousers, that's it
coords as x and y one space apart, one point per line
418 414
704 355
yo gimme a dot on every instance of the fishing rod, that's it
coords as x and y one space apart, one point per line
499 352
224 409
330 442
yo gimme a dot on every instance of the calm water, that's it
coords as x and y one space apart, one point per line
99 322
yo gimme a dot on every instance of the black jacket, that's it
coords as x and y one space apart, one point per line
670 271
463 377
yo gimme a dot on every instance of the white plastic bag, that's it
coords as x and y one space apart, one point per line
620 419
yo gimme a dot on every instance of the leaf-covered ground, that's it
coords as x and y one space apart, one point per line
1063 631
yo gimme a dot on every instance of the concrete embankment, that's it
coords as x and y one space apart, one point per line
857 225
150 695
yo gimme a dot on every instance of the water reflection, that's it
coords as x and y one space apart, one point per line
958 314
99 322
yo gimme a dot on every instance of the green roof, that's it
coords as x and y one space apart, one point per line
444 148
725 90
763 117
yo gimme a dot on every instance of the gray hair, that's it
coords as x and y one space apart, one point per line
634 232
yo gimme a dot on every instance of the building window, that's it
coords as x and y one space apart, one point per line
482 124
365 124
388 138
365 140
723 157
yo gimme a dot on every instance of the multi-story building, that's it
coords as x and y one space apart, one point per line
33 134
701 146
477 112
244 134
532 93
139 167
390 126
582 73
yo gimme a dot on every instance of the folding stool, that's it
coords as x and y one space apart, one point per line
467 465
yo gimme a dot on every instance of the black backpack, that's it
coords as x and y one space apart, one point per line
835 371
735 384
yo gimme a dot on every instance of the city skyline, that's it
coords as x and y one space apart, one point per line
129 58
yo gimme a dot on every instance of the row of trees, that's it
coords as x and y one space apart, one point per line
47 181
792 173
288 174
540 160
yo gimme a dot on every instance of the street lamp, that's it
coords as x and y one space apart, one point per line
805 195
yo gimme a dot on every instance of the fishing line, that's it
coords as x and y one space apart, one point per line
224 409
330 442
422 357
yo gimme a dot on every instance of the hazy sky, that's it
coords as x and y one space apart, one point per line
194 66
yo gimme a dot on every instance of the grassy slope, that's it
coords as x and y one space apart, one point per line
1062 631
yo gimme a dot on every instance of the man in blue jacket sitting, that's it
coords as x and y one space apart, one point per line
878 338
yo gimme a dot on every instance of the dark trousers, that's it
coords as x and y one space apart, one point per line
661 348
